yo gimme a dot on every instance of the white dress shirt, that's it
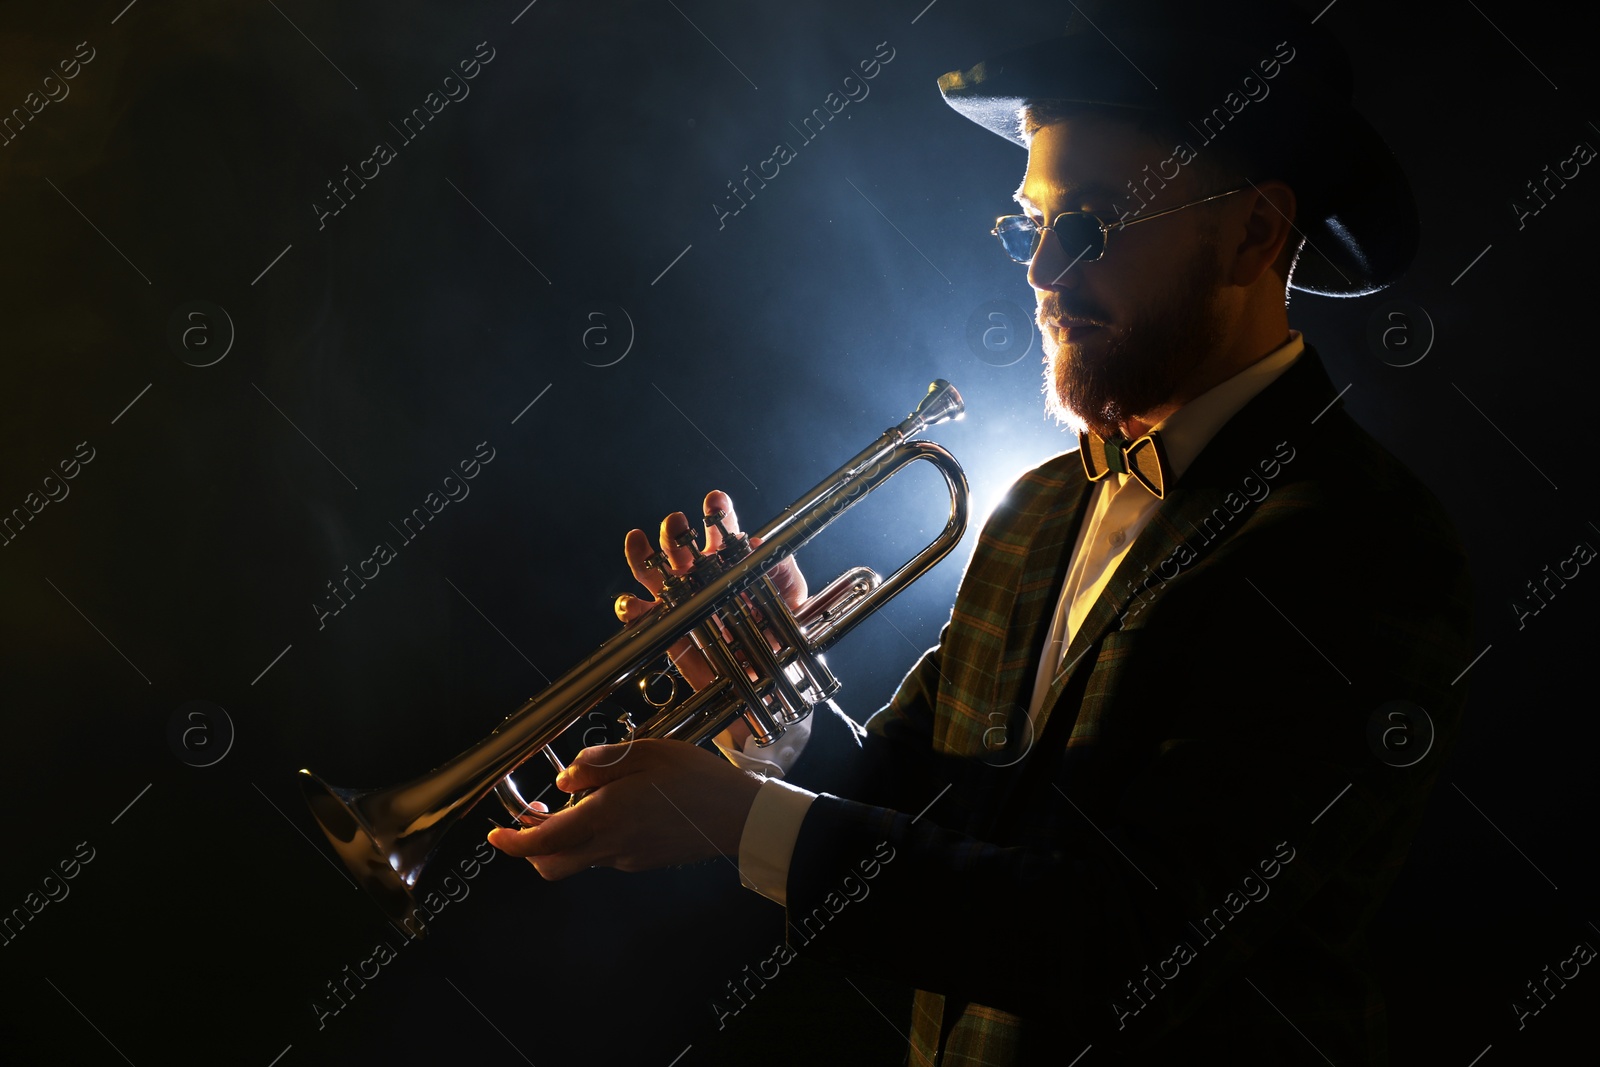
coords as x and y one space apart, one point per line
1116 516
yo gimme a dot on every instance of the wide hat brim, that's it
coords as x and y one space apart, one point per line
1356 208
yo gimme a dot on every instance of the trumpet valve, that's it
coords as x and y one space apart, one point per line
687 539
734 546
674 587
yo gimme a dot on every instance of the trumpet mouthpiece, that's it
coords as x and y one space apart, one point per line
942 404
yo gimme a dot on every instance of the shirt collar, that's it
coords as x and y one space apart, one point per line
1187 431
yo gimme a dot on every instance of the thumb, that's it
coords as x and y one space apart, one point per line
594 767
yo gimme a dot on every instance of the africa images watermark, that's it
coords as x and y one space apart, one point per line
1551 583
1582 154
410 528
1152 982
383 953
200 733
1552 983
855 91
832 904
12 125
1251 90
383 153
12 525
55 890
1251 489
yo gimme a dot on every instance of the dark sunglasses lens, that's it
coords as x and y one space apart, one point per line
1080 237
1017 236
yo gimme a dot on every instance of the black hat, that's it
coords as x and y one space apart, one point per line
1256 77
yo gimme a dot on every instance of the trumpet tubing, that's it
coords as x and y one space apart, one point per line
735 615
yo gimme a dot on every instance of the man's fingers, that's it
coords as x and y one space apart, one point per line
595 766
527 819
559 847
717 503
629 607
560 833
788 578
791 584
673 527
636 546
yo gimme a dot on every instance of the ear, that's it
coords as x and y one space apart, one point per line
1268 228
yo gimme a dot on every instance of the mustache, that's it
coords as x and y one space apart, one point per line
1056 310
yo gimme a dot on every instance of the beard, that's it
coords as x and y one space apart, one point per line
1126 370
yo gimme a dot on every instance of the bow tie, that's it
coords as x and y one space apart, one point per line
1144 459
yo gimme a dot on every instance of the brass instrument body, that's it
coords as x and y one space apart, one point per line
386 836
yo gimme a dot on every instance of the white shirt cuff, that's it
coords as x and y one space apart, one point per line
774 761
770 831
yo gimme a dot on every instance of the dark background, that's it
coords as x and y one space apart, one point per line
454 290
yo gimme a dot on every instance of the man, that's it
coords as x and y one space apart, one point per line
1154 779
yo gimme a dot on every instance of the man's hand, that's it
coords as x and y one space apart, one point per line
791 584
655 803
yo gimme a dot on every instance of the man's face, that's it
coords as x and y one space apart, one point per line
1120 334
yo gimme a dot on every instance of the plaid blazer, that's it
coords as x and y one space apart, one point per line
1177 860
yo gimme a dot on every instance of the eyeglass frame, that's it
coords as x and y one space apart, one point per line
1105 229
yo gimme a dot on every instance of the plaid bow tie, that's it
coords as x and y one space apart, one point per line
1144 459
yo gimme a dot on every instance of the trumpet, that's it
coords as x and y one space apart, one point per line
767 661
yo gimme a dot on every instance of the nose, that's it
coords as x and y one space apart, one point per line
1051 268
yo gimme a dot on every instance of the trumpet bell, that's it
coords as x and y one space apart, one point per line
385 864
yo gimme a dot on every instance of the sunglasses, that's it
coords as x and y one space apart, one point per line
1083 232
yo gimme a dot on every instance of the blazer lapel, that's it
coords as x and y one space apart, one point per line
1048 527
